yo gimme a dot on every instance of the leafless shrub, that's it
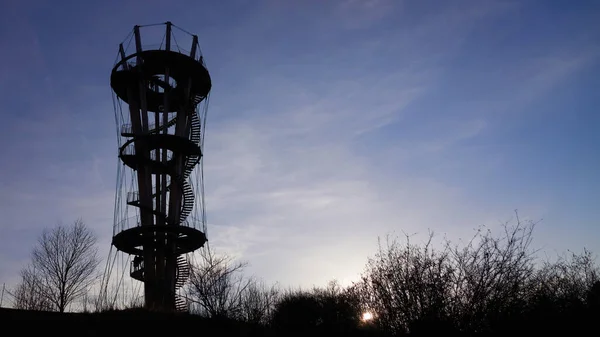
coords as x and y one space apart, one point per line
27 294
492 275
470 286
567 280
403 283
258 301
321 311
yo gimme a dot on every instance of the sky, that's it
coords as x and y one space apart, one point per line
330 124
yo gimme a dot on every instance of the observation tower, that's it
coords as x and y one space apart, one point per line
160 96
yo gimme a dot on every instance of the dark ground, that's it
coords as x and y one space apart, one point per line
117 323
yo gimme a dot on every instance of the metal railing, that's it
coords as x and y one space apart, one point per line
171 119
130 151
126 224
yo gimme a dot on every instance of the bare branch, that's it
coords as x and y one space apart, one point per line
64 264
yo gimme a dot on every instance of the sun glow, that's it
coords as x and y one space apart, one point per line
367 316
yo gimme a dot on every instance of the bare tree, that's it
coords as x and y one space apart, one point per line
64 264
217 285
218 288
27 294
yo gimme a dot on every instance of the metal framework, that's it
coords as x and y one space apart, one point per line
161 99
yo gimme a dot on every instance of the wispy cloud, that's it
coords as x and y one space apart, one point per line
329 125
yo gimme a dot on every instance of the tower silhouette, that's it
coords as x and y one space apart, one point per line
161 95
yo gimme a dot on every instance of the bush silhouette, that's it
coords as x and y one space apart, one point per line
328 311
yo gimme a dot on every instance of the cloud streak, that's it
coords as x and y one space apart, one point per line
327 128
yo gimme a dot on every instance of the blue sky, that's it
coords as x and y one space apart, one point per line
330 123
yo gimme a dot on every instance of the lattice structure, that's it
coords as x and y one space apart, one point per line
161 99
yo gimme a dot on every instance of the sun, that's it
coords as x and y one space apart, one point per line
367 316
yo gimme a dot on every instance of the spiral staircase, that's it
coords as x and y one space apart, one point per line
192 159
183 271
133 199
